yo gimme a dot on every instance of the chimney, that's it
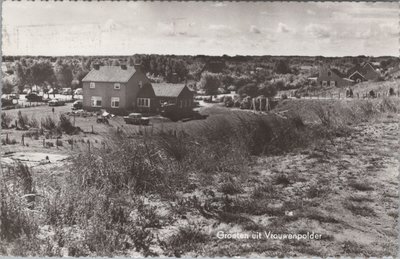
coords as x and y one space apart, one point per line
123 67
174 78
138 67
96 66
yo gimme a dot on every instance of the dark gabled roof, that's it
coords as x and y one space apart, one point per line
337 72
167 90
110 74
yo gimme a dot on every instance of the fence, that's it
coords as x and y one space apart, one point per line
342 95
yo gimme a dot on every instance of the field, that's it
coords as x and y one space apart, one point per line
326 167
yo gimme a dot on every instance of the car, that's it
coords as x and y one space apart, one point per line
136 119
53 91
33 97
77 105
78 91
102 119
66 91
56 102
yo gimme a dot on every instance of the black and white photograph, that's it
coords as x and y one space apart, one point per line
200 129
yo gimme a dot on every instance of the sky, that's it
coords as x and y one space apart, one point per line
208 28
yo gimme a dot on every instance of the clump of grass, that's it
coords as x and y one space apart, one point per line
359 210
5 120
361 186
23 120
188 238
65 125
282 179
230 186
49 123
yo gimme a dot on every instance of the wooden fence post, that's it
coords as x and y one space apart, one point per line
22 140
44 142
88 145
92 129
72 144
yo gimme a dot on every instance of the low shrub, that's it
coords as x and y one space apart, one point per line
49 123
359 210
65 125
188 238
23 120
361 186
59 143
5 120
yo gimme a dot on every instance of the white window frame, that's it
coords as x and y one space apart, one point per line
324 83
94 100
92 85
143 102
332 83
117 86
113 101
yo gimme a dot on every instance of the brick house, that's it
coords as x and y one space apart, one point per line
174 94
116 89
365 72
333 78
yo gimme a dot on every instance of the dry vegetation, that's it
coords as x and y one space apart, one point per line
327 167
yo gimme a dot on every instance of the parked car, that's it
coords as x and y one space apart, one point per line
56 102
66 91
136 119
32 97
77 105
53 91
102 119
78 91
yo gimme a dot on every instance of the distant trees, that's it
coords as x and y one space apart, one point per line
210 82
63 73
282 67
253 90
6 87
249 90
20 75
40 72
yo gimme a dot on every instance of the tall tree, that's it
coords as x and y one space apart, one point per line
6 86
40 72
63 74
210 83
281 67
21 76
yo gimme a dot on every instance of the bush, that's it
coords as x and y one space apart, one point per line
5 120
66 126
23 121
187 239
33 122
48 123
59 143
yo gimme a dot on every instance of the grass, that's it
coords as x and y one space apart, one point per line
116 199
361 186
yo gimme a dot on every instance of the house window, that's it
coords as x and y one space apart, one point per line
96 101
115 102
92 85
117 86
324 83
143 102
332 83
329 73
